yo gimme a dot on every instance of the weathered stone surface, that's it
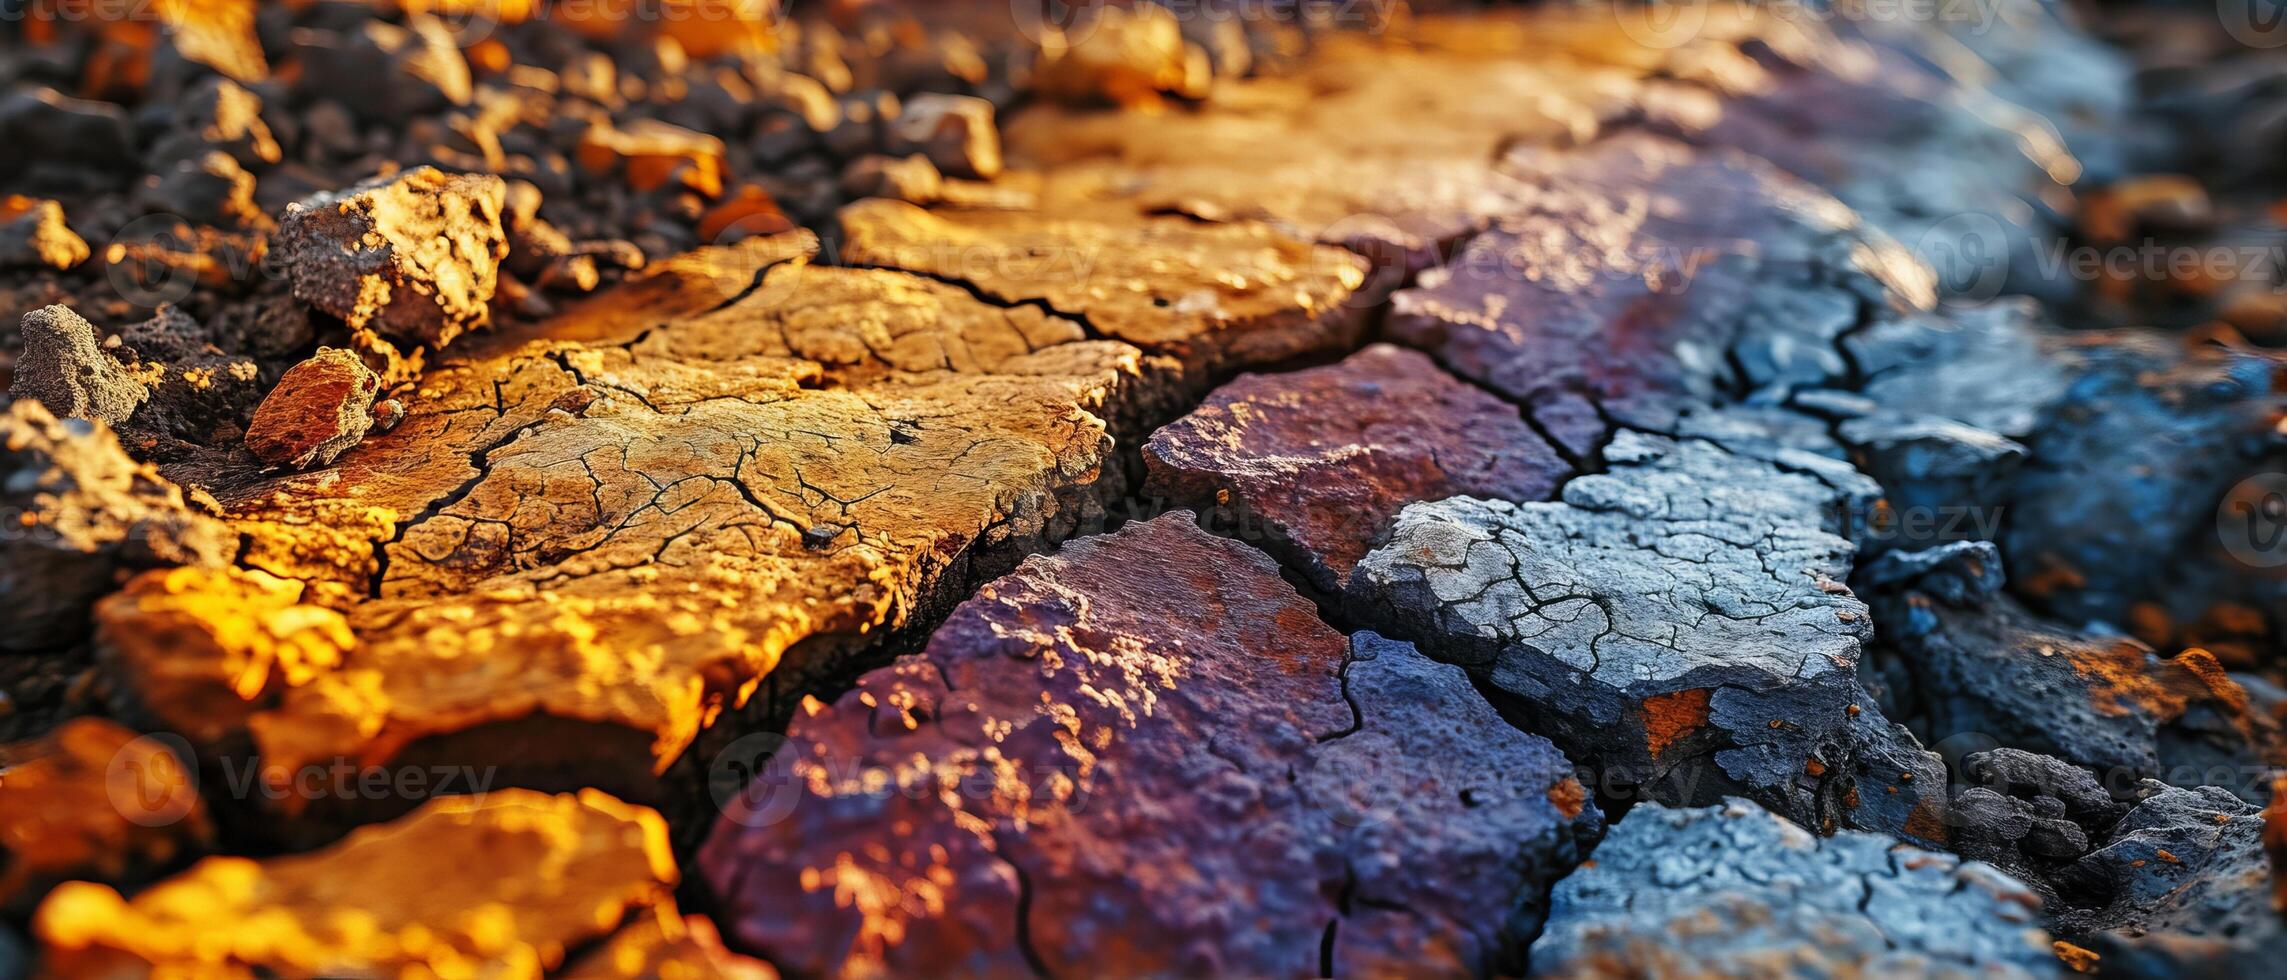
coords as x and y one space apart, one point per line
423 894
80 144
82 515
1654 275
1979 664
1732 890
1938 162
611 528
1289 148
321 408
1145 755
413 257
1125 57
207 647
2191 420
1313 465
33 235
664 946
1679 623
91 801
2199 426
650 154
2181 888
1215 297
954 132
64 368
386 73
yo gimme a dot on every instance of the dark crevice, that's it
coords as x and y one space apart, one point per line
989 298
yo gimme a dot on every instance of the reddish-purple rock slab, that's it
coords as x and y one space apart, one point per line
1145 755
1313 465
1653 275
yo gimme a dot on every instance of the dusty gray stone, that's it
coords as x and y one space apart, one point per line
1732 890
65 369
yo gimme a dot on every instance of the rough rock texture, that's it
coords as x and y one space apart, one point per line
65 369
82 514
1651 276
1732 890
589 539
423 894
1680 624
2184 890
1977 663
91 801
1903 134
33 235
2194 422
664 946
2190 419
1214 296
954 132
413 257
1145 755
1313 465
321 408
205 648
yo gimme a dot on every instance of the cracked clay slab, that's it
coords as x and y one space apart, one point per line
1732 890
1679 623
1145 755
588 539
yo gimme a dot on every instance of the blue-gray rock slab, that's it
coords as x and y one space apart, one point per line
1679 623
1734 890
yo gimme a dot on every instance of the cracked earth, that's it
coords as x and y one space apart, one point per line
880 491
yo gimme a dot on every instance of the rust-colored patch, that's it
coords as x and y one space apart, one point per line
2165 855
2075 958
1814 767
2055 576
1671 717
1923 822
1569 797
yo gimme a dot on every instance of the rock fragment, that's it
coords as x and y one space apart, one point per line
666 946
64 367
1216 297
1732 890
2179 888
33 235
84 514
641 472
1655 276
201 649
1313 465
651 154
954 132
1126 57
384 72
220 115
912 180
321 408
1679 623
1240 742
413 257
421 894
83 145
1980 664
92 801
